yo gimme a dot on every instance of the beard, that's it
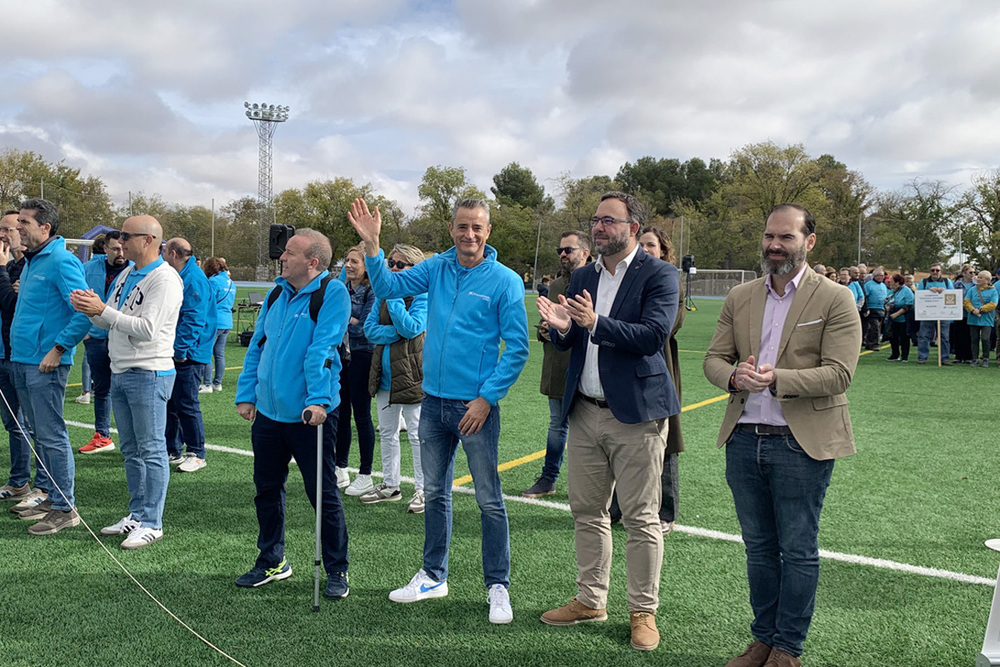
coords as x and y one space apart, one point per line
784 266
614 244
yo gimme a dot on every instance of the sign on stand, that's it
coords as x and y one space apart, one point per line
945 305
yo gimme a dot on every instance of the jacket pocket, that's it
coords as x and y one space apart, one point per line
827 402
650 366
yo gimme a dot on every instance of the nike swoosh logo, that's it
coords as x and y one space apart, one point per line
424 587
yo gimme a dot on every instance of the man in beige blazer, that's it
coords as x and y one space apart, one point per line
785 347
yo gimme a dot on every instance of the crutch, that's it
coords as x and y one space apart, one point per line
318 560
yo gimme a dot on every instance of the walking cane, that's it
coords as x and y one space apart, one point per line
319 508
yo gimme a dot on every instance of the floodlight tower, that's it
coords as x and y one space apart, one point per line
265 118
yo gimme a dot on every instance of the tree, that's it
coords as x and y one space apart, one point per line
906 230
848 198
517 185
761 176
976 227
439 190
663 184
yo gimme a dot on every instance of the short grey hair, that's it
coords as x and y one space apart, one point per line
471 204
319 247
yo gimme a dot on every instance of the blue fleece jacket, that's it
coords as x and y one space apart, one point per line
406 323
196 328
469 311
298 365
95 272
223 296
43 316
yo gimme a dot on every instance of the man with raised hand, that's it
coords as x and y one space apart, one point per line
101 272
192 352
785 348
616 317
290 383
43 337
473 303
140 315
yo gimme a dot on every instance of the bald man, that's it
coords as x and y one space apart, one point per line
140 315
192 352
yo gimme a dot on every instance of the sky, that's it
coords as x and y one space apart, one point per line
149 96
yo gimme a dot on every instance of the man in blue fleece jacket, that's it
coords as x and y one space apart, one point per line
43 337
474 302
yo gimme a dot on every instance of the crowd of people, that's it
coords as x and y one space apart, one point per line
887 305
438 340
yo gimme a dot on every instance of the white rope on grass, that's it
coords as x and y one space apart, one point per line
117 562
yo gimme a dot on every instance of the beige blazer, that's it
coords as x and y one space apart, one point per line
817 356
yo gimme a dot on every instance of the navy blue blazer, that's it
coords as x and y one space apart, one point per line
637 384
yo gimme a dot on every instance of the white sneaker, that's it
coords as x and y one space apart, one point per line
177 460
205 389
343 479
123 527
216 387
192 464
421 587
416 503
499 599
83 399
361 485
141 537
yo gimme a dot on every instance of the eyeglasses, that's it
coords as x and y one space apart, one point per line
398 265
128 235
606 220
567 249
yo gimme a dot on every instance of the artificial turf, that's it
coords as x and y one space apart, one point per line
920 491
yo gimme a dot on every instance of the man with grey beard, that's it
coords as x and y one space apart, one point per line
785 348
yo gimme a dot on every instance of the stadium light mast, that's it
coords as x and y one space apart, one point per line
265 118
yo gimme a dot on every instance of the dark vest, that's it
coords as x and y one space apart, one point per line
406 358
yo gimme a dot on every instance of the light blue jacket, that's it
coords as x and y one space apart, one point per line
858 291
298 365
406 323
196 325
979 299
901 297
469 311
223 296
876 293
95 273
43 316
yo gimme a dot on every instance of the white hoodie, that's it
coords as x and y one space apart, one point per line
142 333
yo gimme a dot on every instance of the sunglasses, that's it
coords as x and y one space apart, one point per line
128 235
397 265
567 249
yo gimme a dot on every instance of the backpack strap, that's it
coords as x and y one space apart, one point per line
272 296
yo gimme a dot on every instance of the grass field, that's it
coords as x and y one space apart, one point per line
921 491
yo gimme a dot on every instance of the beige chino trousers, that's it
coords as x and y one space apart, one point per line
605 454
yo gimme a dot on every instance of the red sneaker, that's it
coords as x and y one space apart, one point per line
98 443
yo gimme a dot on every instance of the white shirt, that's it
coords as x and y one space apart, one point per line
607 290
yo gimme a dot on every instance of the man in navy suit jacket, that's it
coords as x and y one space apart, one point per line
615 317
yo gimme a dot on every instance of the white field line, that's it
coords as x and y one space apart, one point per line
879 563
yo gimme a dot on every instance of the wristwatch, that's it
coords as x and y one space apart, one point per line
60 349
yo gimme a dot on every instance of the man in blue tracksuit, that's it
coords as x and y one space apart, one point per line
473 302
43 337
101 273
193 342
290 383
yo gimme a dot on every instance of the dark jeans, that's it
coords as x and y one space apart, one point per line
778 491
873 327
184 422
274 445
100 382
354 398
20 450
980 337
900 341
669 493
555 442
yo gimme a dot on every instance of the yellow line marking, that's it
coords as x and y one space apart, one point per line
870 351
704 403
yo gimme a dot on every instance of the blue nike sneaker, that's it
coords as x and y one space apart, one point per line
421 587
259 576
337 587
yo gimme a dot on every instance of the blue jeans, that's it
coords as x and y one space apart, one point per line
20 450
274 444
555 443
439 438
219 356
140 399
184 422
926 333
100 374
85 384
778 491
41 396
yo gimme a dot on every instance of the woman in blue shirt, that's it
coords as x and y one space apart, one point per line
980 308
354 396
223 297
899 307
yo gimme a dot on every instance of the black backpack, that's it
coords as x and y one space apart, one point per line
315 304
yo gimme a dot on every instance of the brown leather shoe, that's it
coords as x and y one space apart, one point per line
645 636
573 613
755 656
781 658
